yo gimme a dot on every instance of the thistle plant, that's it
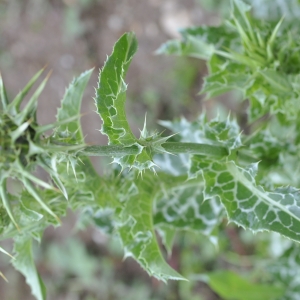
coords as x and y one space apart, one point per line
205 172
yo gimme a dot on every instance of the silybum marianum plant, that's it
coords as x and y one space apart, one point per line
208 170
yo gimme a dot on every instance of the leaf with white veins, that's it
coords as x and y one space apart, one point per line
137 232
246 203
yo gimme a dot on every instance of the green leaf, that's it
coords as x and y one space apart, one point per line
199 42
248 55
225 81
277 80
29 110
70 107
35 193
14 106
183 207
172 164
137 231
248 204
265 146
239 15
192 46
231 286
110 102
86 187
25 264
203 131
111 92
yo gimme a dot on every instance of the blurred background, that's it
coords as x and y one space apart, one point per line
71 36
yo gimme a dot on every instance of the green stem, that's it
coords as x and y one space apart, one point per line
195 148
111 150
174 148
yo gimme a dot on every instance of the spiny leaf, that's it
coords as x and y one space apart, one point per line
19 131
110 102
271 40
183 208
35 194
137 231
86 183
212 132
23 172
111 92
52 170
248 55
192 46
277 80
239 15
224 81
199 42
248 204
70 107
30 108
40 129
14 106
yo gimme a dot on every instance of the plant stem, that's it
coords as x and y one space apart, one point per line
110 150
173 148
195 148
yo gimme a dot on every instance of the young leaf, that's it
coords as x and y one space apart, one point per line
277 80
110 103
14 106
191 46
111 92
70 107
250 56
30 108
226 80
200 42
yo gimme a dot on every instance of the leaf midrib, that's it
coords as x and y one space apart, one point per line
233 170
